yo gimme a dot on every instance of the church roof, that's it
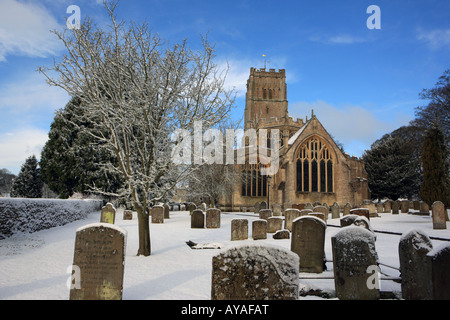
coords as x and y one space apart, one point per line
292 139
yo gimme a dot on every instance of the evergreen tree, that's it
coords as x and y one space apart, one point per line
69 162
436 180
392 165
28 183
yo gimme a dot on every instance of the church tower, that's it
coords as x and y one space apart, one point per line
266 97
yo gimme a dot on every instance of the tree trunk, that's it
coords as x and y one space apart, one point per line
144 232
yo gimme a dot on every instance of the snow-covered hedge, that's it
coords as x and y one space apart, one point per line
30 215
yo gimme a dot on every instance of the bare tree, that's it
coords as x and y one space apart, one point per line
140 89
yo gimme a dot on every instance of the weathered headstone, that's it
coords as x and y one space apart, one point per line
416 205
308 241
158 214
166 211
354 263
404 205
388 206
395 207
108 214
263 205
335 211
322 209
438 215
265 214
289 216
259 229
257 207
191 207
319 215
309 206
255 272
127 215
198 219
361 212
98 263
305 212
380 208
347 209
424 208
274 224
413 248
276 209
439 266
348 220
213 218
239 229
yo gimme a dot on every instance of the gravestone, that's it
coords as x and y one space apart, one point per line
213 218
108 214
335 211
438 214
198 219
276 209
308 205
322 209
191 207
289 216
380 207
257 207
354 255
305 212
127 215
98 262
259 229
348 220
308 241
281 234
319 215
202 206
166 211
388 206
439 266
274 224
413 248
361 212
404 205
265 214
416 205
157 213
239 229
347 209
395 207
254 272
424 208
263 205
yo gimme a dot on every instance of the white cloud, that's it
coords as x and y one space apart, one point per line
354 126
337 39
18 145
25 30
435 38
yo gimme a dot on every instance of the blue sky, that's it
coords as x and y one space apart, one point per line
361 83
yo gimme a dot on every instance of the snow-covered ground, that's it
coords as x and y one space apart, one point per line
34 266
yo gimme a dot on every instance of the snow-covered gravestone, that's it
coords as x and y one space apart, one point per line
289 216
361 212
98 262
355 263
108 214
439 265
308 241
438 215
255 272
322 209
413 248
213 218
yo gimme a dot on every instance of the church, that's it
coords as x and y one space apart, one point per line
312 168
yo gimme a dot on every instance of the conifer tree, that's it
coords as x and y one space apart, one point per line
28 183
436 182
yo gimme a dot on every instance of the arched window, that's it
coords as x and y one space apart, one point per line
314 165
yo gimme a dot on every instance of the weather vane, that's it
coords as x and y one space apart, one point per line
265 61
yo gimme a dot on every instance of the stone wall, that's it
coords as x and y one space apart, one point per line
31 215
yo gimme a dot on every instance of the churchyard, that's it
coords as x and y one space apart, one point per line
354 254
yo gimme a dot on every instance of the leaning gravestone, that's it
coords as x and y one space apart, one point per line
213 218
157 213
254 272
413 248
439 266
198 219
353 253
438 215
99 257
108 214
239 229
308 241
